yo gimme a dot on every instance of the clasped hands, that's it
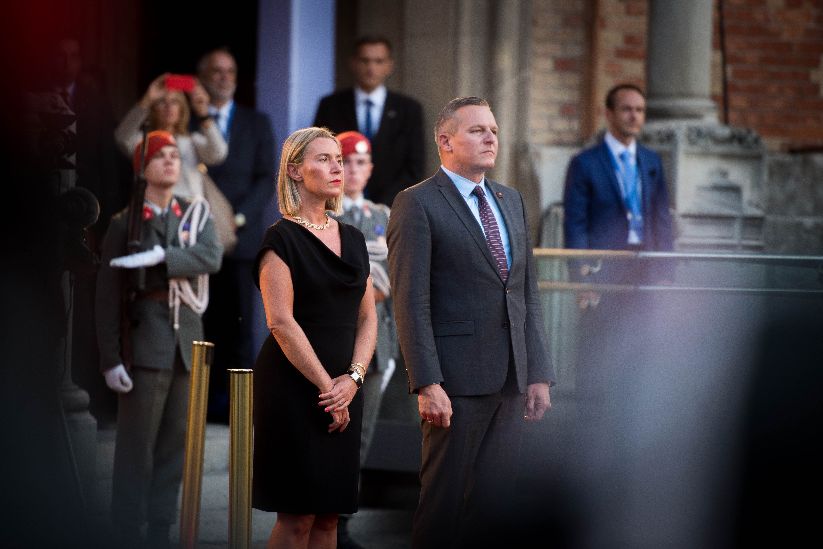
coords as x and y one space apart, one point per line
336 401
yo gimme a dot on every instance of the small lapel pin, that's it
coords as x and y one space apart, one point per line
499 194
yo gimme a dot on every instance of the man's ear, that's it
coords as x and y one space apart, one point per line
444 141
294 172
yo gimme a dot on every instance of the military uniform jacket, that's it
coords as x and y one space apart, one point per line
372 220
152 337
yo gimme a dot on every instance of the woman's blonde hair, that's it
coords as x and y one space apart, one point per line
182 125
293 150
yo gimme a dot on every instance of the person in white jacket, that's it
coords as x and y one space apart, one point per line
168 110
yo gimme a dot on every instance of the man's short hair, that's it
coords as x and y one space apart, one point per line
371 39
447 112
204 59
611 96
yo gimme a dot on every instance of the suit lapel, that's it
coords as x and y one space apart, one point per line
605 158
646 178
349 111
464 214
237 128
508 209
388 118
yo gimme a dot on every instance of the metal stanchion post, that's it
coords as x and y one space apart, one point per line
240 464
202 354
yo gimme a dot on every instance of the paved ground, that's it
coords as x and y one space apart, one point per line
375 526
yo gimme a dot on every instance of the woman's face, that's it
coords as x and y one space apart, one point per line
321 172
167 112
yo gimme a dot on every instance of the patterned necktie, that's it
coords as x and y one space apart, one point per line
628 173
368 127
493 240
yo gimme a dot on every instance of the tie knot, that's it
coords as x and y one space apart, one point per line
625 156
478 192
368 103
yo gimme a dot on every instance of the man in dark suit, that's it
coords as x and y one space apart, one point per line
246 178
615 196
471 331
391 121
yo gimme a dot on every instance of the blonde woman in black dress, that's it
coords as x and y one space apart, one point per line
313 274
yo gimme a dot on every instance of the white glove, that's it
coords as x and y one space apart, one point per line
118 379
379 278
140 259
378 251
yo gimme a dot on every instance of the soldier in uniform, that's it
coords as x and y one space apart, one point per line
372 219
149 305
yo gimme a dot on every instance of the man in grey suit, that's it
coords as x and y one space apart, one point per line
148 362
471 330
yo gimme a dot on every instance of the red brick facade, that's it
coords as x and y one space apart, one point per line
773 65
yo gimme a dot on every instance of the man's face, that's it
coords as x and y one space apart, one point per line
220 77
163 169
468 144
371 66
67 61
357 169
626 120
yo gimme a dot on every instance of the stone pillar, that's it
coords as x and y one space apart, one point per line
714 171
679 60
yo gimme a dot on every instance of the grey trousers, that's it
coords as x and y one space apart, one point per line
469 471
148 455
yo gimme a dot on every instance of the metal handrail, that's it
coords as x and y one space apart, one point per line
808 262
786 260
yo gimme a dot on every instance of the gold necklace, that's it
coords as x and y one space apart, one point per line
310 225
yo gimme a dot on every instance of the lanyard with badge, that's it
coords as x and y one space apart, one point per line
629 178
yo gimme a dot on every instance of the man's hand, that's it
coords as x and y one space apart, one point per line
118 379
588 299
148 258
434 405
537 401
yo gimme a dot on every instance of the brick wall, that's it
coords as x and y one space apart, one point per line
774 66
773 56
559 55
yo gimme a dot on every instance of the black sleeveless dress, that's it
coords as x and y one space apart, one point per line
299 467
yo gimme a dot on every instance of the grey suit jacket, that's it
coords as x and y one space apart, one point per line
457 322
153 339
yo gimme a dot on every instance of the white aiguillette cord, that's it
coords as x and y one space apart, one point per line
180 289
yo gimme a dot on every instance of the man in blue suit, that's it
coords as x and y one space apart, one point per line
615 199
246 178
615 196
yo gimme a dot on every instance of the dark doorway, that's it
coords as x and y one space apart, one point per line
173 37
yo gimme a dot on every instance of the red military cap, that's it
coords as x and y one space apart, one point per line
353 142
157 140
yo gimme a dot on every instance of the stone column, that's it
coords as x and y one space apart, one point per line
714 171
679 60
